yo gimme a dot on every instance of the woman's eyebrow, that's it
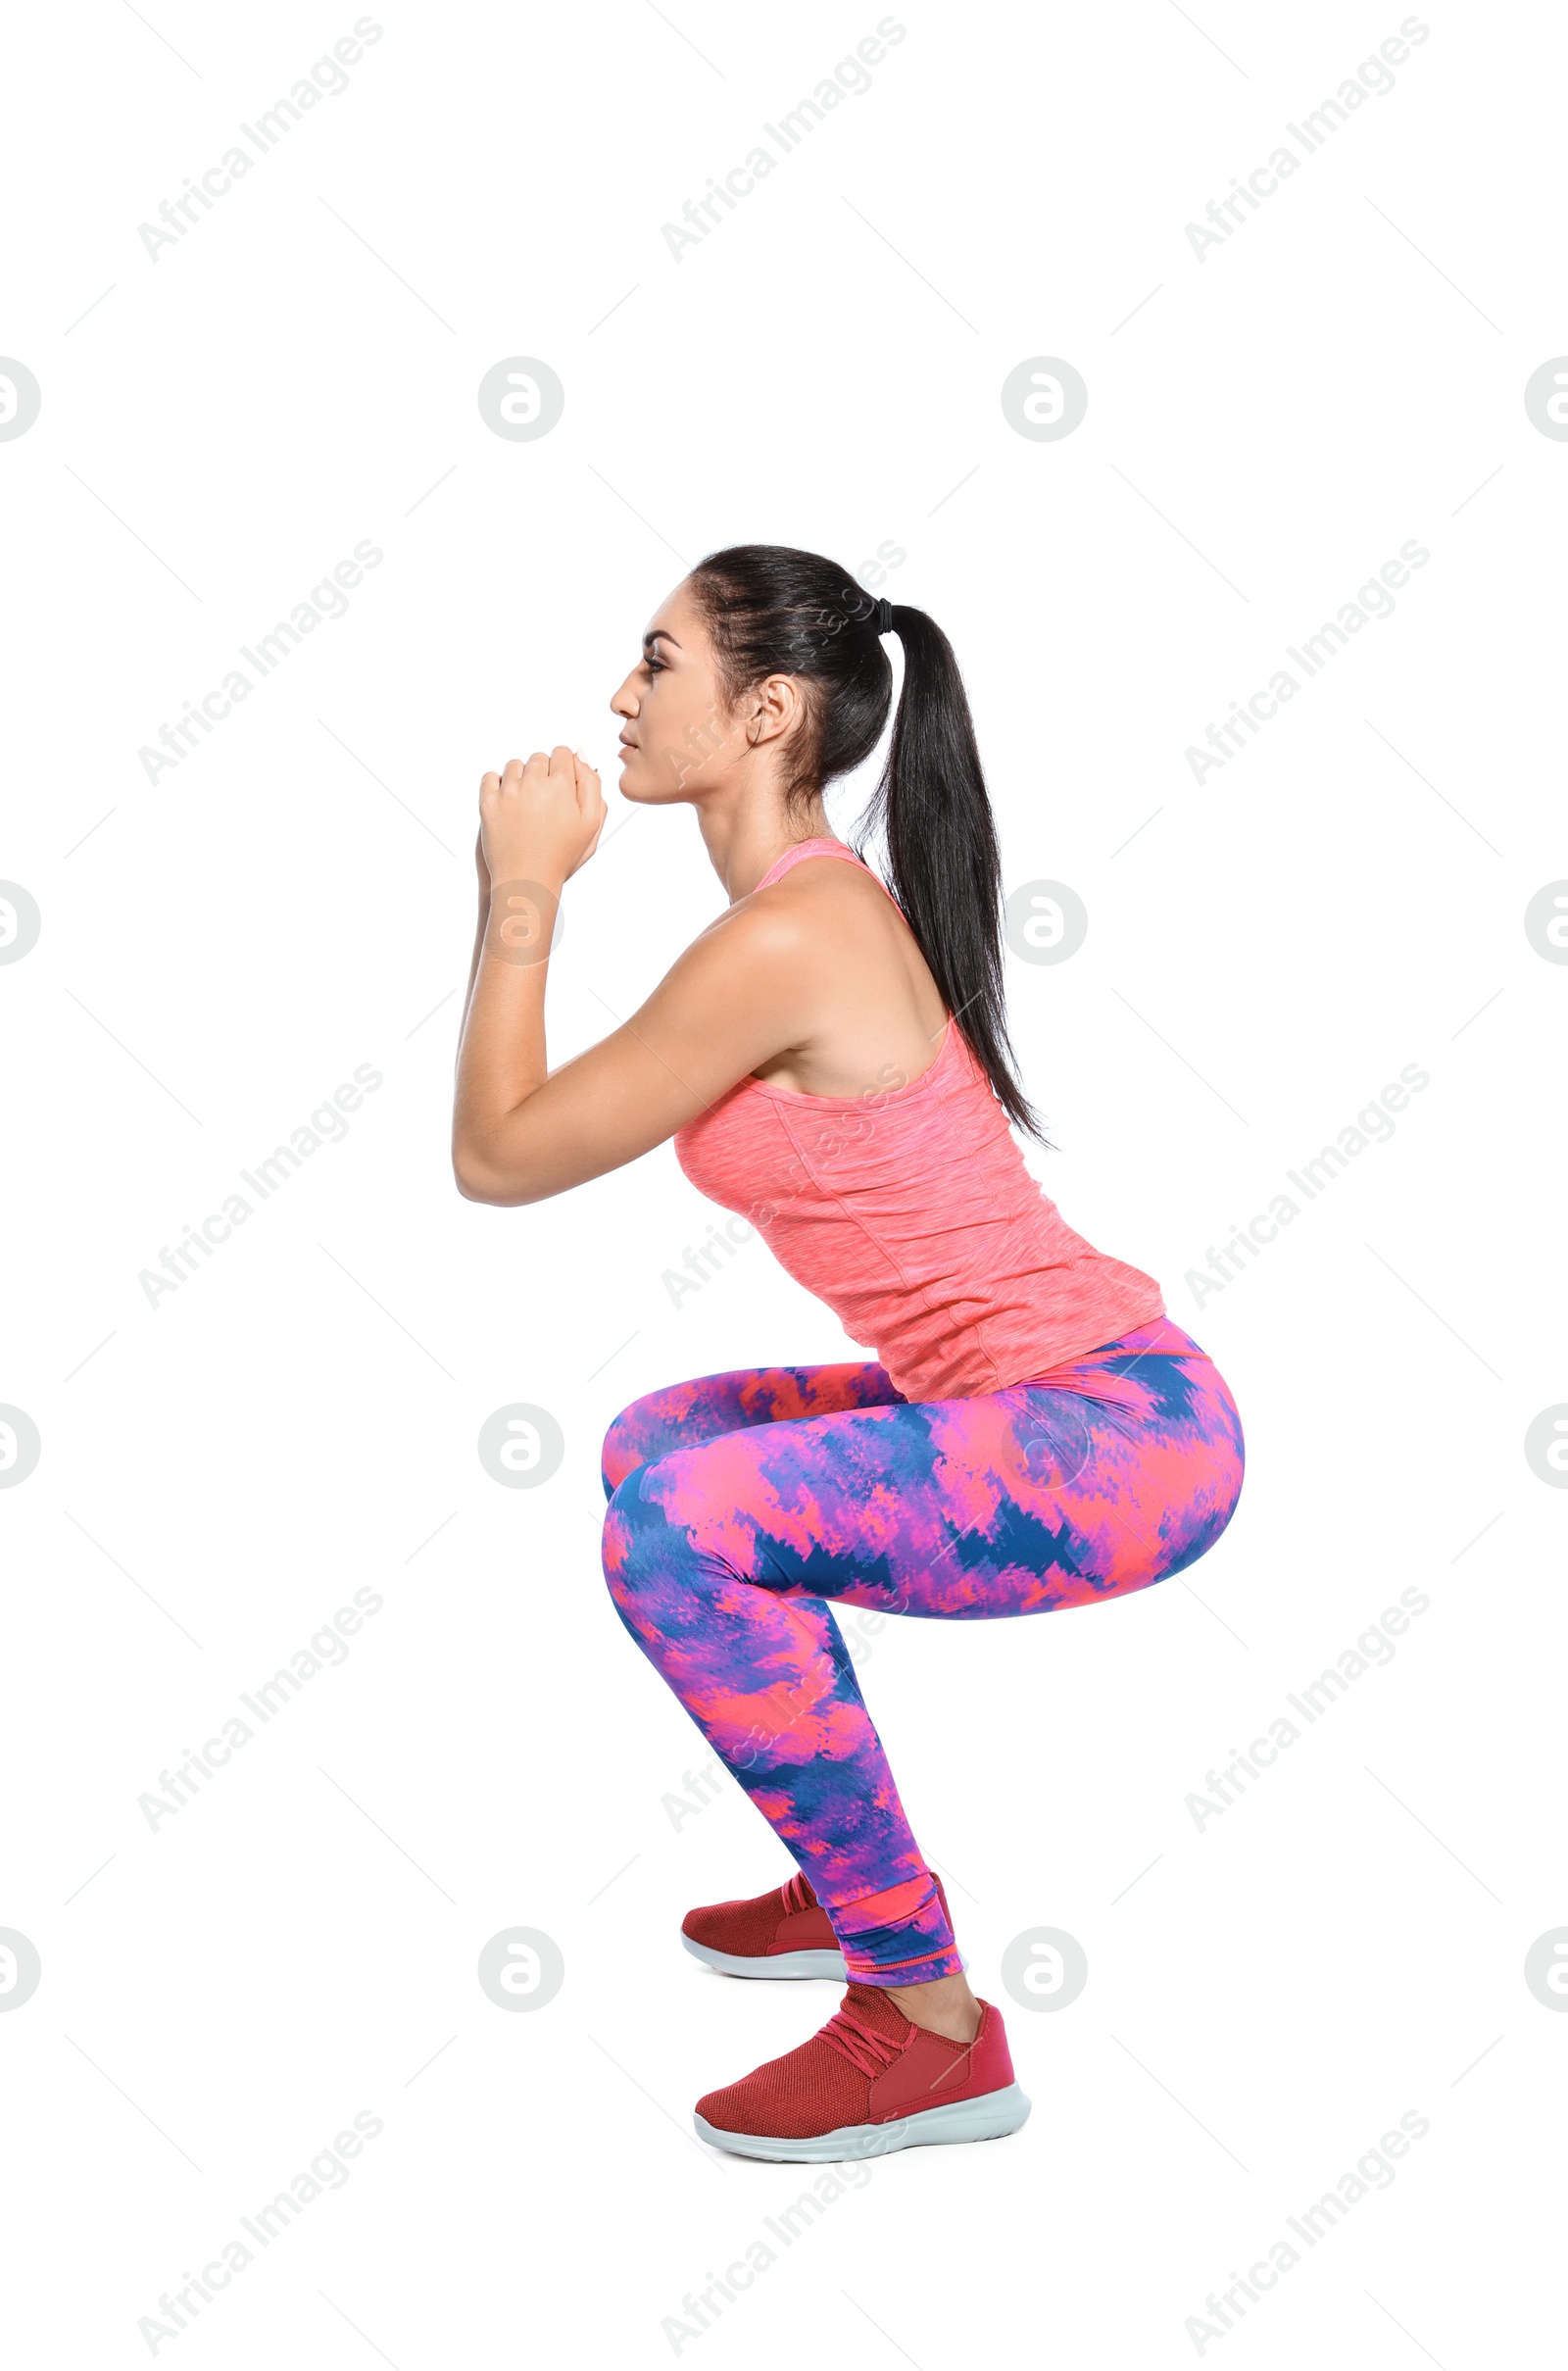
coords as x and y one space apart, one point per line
658 633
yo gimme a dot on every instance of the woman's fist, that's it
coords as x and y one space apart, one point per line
541 819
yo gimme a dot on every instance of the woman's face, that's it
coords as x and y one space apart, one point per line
678 733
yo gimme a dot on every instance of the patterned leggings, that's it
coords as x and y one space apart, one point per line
741 1504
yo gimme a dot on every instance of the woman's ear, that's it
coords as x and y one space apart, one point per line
778 710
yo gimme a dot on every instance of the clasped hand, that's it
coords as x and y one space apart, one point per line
540 819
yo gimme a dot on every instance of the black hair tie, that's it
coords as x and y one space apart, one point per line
884 616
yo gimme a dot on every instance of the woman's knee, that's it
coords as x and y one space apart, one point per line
617 1542
662 1582
642 1557
624 1448
651 1427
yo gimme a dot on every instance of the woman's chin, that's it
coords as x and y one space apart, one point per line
637 785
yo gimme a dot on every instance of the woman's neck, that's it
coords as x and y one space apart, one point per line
742 846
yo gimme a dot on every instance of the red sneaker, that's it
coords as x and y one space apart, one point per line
867 2084
784 1933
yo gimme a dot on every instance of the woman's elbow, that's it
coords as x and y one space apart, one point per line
481 1180
477 1179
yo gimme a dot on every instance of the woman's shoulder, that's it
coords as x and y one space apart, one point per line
801 911
767 943
823 894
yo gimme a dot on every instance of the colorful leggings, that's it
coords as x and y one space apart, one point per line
741 1503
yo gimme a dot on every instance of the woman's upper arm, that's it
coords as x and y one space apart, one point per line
732 1002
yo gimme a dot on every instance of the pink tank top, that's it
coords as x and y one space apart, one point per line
909 1211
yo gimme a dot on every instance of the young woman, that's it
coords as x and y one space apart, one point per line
833 1063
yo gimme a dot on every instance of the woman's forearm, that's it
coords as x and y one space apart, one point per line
538 822
479 942
501 1057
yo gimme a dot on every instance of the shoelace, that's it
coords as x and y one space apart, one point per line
795 1894
867 2050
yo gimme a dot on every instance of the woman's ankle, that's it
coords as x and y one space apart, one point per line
944 2006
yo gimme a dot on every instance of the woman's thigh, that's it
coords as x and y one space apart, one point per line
1017 1502
684 1415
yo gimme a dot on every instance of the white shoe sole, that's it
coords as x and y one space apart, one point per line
986 2118
782 1964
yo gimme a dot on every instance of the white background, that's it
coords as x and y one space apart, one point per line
221 947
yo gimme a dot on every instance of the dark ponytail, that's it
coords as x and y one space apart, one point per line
773 610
